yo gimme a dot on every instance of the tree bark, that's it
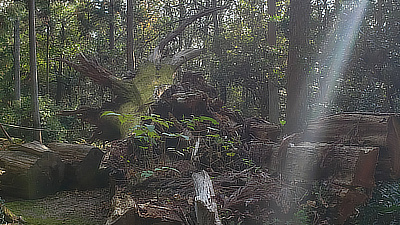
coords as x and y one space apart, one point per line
60 88
299 14
33 72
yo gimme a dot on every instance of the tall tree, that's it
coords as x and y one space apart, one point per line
129 45
273 98
17 62
299 15
33 72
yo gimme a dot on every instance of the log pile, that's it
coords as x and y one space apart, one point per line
328 153
33 170
363 129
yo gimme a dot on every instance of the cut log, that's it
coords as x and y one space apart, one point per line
30 175
348 172
379 130
340 164
205 204
82 165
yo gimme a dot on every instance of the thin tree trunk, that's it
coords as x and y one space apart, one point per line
33 71
59 89
112 26
218 52
48 58
273 101
129 45
17 63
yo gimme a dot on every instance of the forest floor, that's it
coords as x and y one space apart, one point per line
65 207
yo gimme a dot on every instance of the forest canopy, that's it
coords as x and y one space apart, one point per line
252 54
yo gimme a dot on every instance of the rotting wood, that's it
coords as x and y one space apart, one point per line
363 129
30 176
127 211
205 204
82 165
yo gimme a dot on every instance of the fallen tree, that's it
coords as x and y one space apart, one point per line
134 95
31 171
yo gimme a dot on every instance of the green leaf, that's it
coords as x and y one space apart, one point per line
110 113
147 173
151 128
212 120
283 122
230 154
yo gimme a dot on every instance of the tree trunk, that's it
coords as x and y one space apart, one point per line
273 98
205 205
112 26
299 14
17 63
33 72
81 165
129 45
346 172
48 33
32 171
60 85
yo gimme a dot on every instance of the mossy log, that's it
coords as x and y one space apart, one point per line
30 175
81 165
363 129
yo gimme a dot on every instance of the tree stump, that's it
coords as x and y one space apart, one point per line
81 165
31 171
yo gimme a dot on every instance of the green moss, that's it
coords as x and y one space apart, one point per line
149 76
34 214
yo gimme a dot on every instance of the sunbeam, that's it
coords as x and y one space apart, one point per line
335 53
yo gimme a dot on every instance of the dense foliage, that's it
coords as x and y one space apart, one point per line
238 59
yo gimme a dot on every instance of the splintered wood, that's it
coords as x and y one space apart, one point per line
205 205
